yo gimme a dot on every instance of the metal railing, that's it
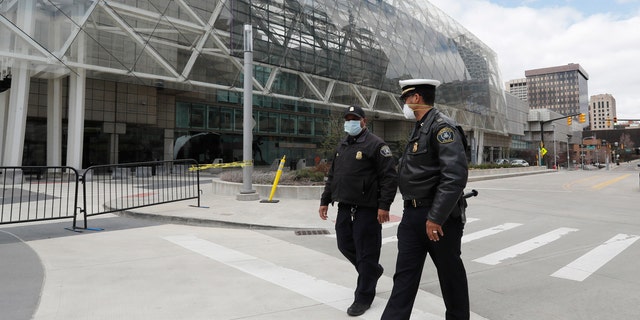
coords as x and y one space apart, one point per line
44 193
37 193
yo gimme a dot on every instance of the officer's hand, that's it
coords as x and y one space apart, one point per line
434 231
383 216
323 212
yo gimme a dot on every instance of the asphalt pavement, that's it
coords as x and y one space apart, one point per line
120 268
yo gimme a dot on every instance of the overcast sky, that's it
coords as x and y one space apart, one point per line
603 36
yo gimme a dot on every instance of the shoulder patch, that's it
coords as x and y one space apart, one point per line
385 151
445 135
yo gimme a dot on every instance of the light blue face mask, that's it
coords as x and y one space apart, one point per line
352 127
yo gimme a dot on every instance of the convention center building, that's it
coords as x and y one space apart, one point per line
87 82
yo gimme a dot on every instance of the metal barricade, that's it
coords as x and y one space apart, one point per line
35 193
112 188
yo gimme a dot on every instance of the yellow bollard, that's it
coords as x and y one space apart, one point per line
275 182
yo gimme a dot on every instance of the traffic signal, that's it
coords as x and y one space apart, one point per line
615 120
582 118
569 120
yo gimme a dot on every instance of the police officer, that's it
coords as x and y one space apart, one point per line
432 174
363 181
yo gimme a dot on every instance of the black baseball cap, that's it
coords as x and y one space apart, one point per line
356 111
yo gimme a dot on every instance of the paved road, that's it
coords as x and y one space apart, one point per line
551 246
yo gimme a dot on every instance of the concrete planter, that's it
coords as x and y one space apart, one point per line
314 192
282 192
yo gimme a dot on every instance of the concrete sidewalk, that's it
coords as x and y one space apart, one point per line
135 270
287 213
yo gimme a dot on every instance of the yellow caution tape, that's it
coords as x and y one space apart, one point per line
236 164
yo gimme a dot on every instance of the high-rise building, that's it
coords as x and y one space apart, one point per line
602 111
518 88
562 89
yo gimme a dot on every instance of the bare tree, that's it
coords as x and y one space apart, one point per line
625 140
335 133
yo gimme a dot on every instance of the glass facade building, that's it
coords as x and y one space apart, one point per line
123 80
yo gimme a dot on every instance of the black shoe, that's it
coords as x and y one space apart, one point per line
357 309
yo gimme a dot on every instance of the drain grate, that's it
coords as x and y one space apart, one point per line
311 232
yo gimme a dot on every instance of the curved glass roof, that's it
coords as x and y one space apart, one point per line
324 52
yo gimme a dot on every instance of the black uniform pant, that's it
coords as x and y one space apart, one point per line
359 237
413 247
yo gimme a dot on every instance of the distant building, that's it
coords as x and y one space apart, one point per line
602 111
518 88
562 89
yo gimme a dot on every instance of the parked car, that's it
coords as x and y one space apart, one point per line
519 163
502 161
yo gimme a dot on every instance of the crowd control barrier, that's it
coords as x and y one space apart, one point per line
35 193
45 193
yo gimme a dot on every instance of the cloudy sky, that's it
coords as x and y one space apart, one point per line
603 36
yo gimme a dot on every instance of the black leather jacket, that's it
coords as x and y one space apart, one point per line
362 173
434 167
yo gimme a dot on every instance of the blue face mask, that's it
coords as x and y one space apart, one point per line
352 127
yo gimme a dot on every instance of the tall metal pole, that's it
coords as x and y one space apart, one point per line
541 144
568 156
555 157
247 123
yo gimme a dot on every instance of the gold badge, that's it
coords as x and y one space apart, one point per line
415 147
359 155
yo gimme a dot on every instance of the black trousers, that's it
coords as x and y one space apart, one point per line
359 240
413 247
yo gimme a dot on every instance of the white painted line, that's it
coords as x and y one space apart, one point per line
395 238
593 260
331 294
389 240
390 224
524 247
489 232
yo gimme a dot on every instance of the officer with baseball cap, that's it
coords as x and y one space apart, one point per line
432 174
363 180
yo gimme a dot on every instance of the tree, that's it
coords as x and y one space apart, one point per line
625 140
335 133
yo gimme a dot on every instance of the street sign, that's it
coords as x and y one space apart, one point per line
591 147
543 151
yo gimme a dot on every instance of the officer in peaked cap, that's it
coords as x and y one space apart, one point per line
363 180
425 86
432 174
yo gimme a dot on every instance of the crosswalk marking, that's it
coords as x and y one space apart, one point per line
489 232
325 292
593 260
524 247
577 270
